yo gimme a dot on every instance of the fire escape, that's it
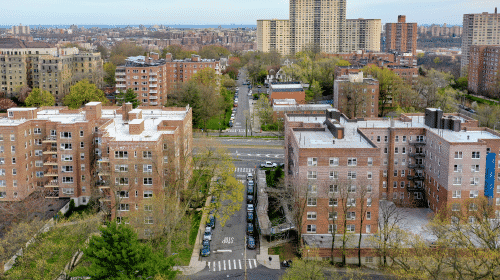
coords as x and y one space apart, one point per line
50 165
417 179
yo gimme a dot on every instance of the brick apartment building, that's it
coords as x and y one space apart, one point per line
434 160
401 36
287 90
95 151
484 70
152 77
356 95
41 65
408 74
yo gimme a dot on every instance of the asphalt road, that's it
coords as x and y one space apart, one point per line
239 123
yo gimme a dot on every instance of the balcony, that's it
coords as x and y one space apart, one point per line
418 143
153 97
51 174
52 184
153 79
120 80
121 85
102 172
50 151
50 139
153 85
102 184
153 103
417 155
153 74
153 91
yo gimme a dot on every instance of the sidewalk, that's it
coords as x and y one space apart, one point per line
269 261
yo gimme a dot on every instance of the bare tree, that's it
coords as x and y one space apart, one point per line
356 97
365 195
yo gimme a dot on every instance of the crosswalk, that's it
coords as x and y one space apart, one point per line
243 170
241 130
231 265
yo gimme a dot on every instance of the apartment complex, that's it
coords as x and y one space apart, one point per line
362 34
484 70
406 73
356 95
401 36
152 77
93 152
318 25
273 35
40 65
20 29
434 159
479 29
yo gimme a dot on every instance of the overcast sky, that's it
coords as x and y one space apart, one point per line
187 12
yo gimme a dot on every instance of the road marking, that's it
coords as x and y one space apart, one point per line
208 266
255 263
224 251
219 265
240 263
215 269
224 264
250 264
229 264
234 264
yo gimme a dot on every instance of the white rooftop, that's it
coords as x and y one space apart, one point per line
285 86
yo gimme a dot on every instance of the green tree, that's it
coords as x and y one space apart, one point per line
109 73
124 49
214 52
305 270
129 96
83 92
437 60
177 52
118 254
39 98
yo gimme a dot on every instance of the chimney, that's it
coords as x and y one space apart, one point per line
495 10
93 110
195 58
126 107
136 127
168 57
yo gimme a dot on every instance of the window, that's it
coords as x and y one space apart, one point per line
121 154
368 230
455 207
385 150
351 228
82 155
395 173
67 179
351 189
474 181
147 168
334 174
121 167
165 159
352 161
311 215
312 188
312 174
3 183
332 215
457 180
334 189
458 155
66 135
312 161
148 221
37 130
369 175
472 207
476 155
351 216
334 202
368 202
148 194
497 200
386 138
147 154
370 161
396 138
351 175
457 194
396 150
404 138
12 137
311 201
165 146
332 228
68 191
38 153
123 207
39 174
66 146
67 168
385 173
148 181
457 168
81 133
121 181
474 194
403 150
82 145
474 168
351 202
334 161
368 215
122 194
13 149
378 139
311 228
148 207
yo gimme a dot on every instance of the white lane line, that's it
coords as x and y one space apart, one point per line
208 266
255 263
224 264
250 264
219 266
234 264
240 263
215 268
229 264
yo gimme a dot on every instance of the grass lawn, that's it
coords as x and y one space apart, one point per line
183 243
480 100
287 251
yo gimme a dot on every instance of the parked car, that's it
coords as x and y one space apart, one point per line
237 88
250 228
249 216
251 243
250 198
230 123
235 104
249 176
211 221
268 164
250 190
282 165
251 183
208 234
205 251
250 208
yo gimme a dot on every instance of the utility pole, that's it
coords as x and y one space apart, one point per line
246 127
245 258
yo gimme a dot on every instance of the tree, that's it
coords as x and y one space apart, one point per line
129 96
213 52
40 98
83 92
109 73
315 92
123 49
264 110
118 254
177 52
305 270
355 98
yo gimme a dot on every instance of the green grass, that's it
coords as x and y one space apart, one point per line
242 136
286 251
481 100
184 242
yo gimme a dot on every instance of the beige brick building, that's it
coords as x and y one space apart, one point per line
273 35
94 152
432 160
40 65
362 34
152 77
479 29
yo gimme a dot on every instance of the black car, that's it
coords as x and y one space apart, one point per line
251 242
250 228
205 251
211 221
250 199
250 190
250 216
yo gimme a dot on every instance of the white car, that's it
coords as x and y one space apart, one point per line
237 88
250 208
249 176
268 164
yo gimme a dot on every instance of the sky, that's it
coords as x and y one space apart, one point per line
210 12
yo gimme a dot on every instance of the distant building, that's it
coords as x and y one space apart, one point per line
356 96
21 29
287 90
273 35
479 29
484 70
401 36
362 34
41 65
290 106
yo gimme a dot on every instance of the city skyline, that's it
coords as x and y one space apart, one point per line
223 12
